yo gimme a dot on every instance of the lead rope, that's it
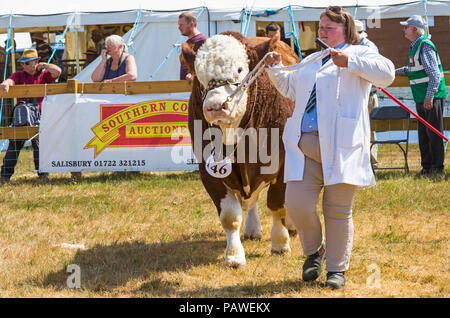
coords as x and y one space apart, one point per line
251 76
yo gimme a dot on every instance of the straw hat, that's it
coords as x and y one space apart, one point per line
29 55
360 28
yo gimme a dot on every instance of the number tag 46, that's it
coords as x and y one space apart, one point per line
221 169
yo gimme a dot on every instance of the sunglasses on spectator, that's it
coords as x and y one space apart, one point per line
26 63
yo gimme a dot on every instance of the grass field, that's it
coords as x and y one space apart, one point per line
158 235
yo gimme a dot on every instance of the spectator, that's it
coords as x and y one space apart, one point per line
427 82
373 98
327 140
273 29
187 24
97 37
119 67
33 72
43 49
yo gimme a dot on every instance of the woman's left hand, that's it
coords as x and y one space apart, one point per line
340 58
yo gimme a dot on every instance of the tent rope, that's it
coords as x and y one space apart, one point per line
427 30
174 46
58 44
9 48
294 32
246 22
136 25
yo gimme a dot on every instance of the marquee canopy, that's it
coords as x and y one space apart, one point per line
56 12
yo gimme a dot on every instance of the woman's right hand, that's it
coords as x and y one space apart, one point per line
273 59
104 55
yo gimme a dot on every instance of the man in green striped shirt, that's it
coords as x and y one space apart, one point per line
426 79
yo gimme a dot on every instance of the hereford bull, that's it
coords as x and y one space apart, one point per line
219 65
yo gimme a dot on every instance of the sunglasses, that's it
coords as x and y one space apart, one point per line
27 63
335 9
338 10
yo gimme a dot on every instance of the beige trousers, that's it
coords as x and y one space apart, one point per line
301 202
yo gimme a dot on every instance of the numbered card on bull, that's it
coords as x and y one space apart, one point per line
218 169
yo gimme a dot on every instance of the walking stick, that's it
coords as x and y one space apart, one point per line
325 46
413 113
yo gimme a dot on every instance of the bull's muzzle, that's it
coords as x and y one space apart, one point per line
217 111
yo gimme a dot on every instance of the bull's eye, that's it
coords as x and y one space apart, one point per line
239 69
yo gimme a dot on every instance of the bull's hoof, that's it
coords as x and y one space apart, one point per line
280 250
292 232
235 262
236 265
253 236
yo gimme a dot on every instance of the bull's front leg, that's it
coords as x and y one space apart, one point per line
231 219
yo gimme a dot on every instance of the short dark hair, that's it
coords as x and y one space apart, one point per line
272 26
189 17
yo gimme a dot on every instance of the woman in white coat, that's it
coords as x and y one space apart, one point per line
327 140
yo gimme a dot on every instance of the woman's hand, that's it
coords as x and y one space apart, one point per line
273 59
340 58
104 55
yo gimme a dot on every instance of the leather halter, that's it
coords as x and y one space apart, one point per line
216 83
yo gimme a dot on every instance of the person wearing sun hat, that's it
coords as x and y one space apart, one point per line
34 72
427 82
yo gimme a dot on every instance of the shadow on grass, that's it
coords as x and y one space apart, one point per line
399 174
105 267
155 289
103 177
391 174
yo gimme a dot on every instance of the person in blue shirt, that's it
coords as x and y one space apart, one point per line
373 98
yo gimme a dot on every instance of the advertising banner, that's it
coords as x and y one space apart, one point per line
95 132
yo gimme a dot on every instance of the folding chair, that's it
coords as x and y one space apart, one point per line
392 113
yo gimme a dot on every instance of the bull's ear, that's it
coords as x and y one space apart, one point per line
267 46
188 56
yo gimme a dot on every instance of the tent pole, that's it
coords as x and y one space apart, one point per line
13 52
77 53
13 58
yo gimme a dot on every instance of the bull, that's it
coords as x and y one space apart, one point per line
220 65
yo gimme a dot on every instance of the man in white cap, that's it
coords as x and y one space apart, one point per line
427 82
373 98
33 72
363 35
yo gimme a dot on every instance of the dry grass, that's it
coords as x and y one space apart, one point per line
158 235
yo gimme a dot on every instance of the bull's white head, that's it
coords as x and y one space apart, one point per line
220 64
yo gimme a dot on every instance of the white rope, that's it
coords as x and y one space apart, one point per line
125 87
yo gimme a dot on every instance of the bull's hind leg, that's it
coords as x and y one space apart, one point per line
252 229
231 219
279 234
275 202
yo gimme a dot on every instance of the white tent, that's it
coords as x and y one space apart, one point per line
158 28
56 12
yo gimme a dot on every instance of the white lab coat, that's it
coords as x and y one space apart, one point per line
342 113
